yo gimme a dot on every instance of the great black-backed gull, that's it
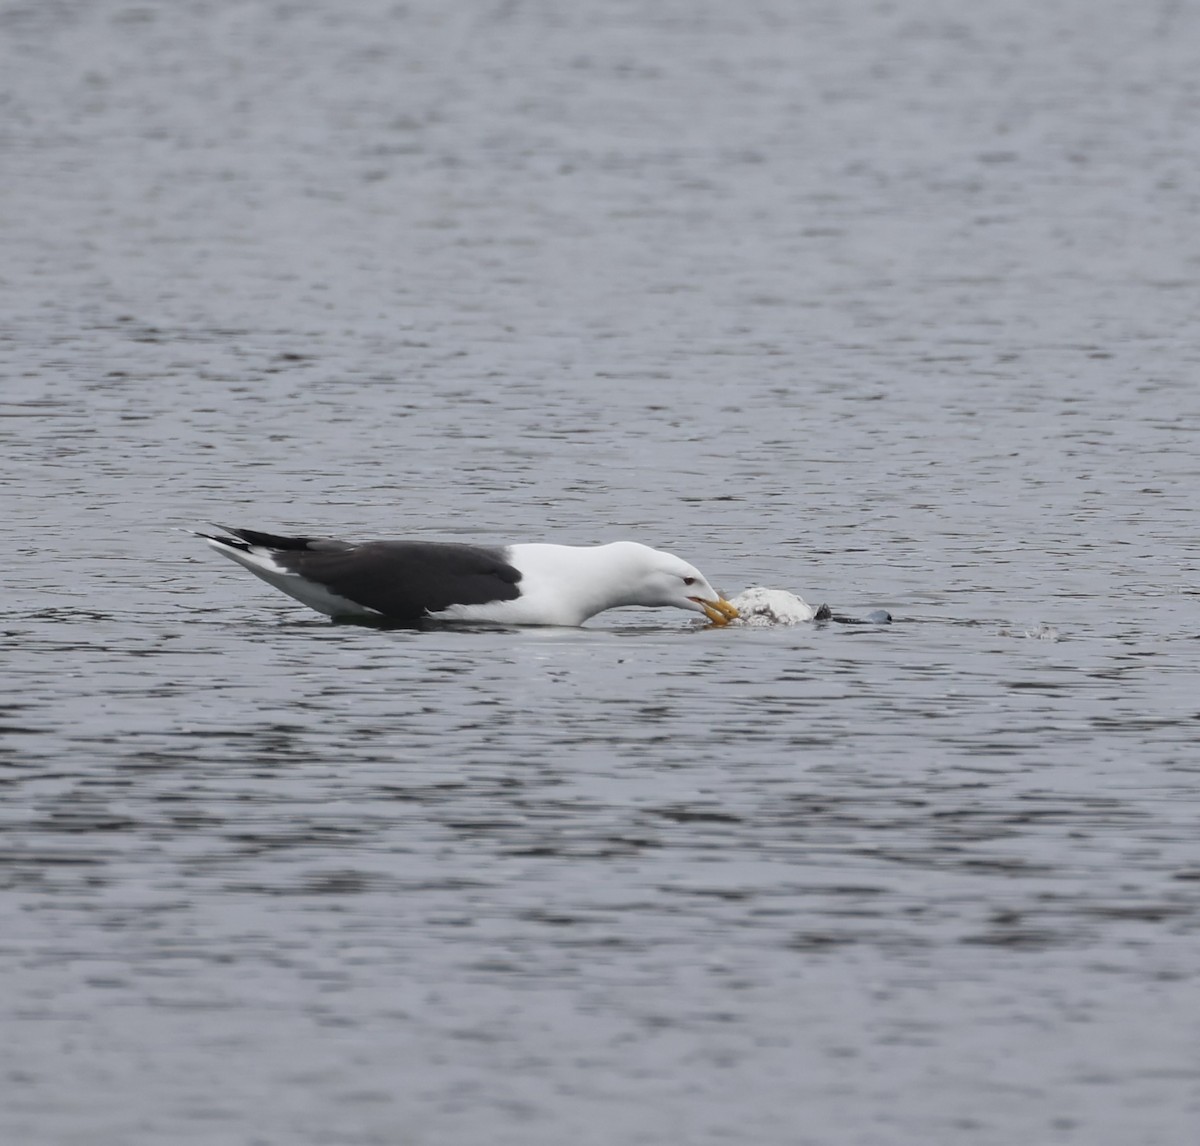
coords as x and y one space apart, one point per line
407 582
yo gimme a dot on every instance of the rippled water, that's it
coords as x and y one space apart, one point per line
891 306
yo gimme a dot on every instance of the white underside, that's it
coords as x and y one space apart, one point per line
260 562
760 607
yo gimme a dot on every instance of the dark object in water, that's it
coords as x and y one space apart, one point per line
878 617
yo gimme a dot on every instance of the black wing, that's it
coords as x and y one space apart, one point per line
405 580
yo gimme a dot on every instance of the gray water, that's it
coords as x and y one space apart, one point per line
889 305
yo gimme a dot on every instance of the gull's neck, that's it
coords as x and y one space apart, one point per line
579 581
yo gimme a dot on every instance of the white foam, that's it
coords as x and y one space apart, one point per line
1042 632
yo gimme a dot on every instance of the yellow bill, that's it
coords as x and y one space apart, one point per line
720 611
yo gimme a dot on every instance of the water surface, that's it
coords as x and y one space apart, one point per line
887 308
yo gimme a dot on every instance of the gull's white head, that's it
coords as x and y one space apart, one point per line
659 578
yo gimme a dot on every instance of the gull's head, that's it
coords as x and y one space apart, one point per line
664 579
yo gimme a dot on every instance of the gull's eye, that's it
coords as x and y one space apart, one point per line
689 580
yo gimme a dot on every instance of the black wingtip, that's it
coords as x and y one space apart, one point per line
231 542
256 538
